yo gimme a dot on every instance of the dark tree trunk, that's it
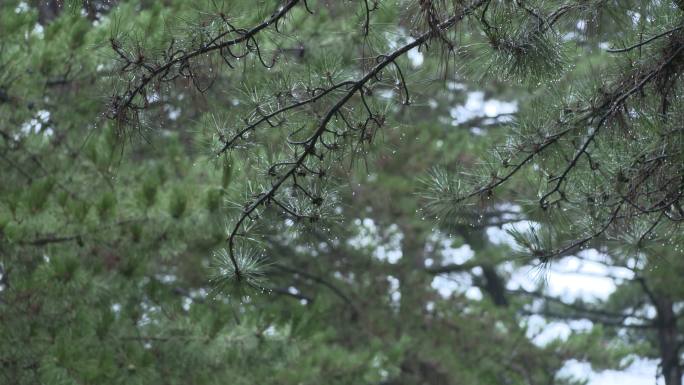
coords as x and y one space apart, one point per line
494 285
413 282
49 10
668 341
680 4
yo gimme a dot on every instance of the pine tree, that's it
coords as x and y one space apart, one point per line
568 137
130 131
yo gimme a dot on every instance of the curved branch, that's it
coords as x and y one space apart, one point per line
245 36
338 292
647 41
265 117
321 128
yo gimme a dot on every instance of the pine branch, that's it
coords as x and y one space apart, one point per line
338 292
580 311
125 102
44 240
309 144
645 42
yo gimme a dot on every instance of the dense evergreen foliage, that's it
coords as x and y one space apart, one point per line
338 191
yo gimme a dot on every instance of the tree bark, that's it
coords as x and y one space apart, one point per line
49 10
413 282
668 341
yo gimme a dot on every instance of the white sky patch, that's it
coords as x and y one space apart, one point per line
394 292
199 293
569 287
386 94
568 279
476 106
500 235
367 236
587 276
43 115
639 262
271 331
641 371
400 36
454 283
166 278
456 86
35 124
390 250
457 255
542 332
149 311
430 306
569 36
186 303
38 31
678 307
154 97
521 278
172 112
461 283
474 293
100 20
384 243
441 245
349 277
22 7
415 57
636 16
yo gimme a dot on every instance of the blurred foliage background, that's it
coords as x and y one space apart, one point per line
114 266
